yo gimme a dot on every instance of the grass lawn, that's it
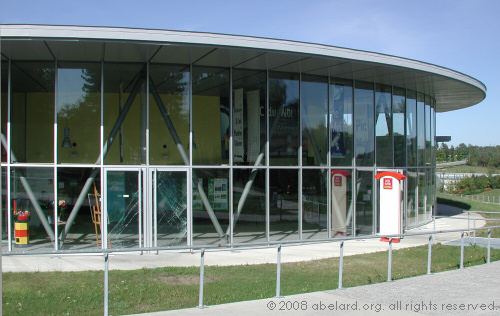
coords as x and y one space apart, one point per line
469 169
147 290
466 204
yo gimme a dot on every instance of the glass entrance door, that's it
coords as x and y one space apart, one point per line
123 208
169 201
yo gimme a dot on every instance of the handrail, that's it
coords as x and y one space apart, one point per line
271 244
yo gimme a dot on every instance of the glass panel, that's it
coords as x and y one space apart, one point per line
169 102
283 218
210 186
341 122
364 203
5 220
411 127
342 207
210 116
421 196
283 119
411 211
421 129
125 114
78 112
314 120
32 116
430 190
314 204
4 105
433 135
123 207
249 117
249 205
171 208
398 126
383 125
363 127
32 196
86 229
427 130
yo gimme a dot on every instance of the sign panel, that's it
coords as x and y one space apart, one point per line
238 145
217 193
387 183
337 181
337 148
253 125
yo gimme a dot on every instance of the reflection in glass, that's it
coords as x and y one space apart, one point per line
284 207
364 203
283 119
383 125
314 204
398 126
342 206
85 231
427 131
123 209
249 117
125 114
420 130
210 116
169 102
411 127
422 193
78 112
314 112
210 206
341 122
249 205
32 112
411 209
170 200
4 105
363 125
32 193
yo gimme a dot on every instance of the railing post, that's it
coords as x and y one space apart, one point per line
106 283
202 276
429 255
341 263
389 263
468 221
462 251
474 240
489 246
278 272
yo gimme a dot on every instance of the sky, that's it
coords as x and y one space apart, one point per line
457 34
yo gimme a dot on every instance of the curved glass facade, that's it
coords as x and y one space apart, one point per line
150 154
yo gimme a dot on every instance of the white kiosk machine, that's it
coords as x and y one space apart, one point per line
339 202
390 184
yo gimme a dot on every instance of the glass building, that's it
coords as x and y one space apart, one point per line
125 138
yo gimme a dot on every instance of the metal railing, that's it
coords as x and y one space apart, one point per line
203 249
480 198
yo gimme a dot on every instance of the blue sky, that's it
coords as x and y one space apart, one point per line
457 34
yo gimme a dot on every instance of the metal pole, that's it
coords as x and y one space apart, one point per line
468 221
489 246
462 251
429 255
341 264
474 240
389 263
106 283
202 275
278 272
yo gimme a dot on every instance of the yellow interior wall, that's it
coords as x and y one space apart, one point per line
131 129
159 133
84 131
206 127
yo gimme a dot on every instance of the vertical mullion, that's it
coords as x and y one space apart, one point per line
55 161
8 149
268 158
300 162
231 208
104 210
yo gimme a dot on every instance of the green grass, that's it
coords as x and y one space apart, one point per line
466 204
148 290
494 192
469 169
